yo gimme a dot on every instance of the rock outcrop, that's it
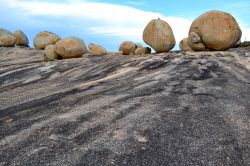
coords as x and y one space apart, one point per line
216 30
7 39
97 49
176 108
128 48
70 47
21 38
159 35
44 39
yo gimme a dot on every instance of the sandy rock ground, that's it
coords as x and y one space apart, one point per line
164 109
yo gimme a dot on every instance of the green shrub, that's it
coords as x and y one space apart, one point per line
244 44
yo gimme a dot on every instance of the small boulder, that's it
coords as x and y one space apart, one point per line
194 41
70 47
128 48
50 52
44 39
142 51
97 49
184 45
216 30
159 35
21 38
7 39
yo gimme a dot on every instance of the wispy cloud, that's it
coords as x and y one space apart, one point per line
101 18
95 18
136 3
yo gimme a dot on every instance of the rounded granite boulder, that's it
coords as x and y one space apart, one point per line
50 52
70 47
128 48
159 35
7 39
97 49
184 45
21 38
142 51
44 39
217 30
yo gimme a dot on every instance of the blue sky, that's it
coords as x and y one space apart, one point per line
109 22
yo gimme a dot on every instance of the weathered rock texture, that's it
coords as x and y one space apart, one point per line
50 53
217 31
163 109
184 45
71 47
128 48
159 35
142 50
97 49
21 38
7 39
44 39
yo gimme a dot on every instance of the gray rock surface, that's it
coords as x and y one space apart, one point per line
173 108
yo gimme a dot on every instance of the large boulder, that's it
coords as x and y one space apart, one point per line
21 38
216 30
97 49
44 39
70 47
50 52
184 45
128 48
159 35
7 39
142 50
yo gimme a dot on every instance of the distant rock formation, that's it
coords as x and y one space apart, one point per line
50 53
128 48
159 35
7 39
214 30
97 49
44 39
142 50
70 47
21 38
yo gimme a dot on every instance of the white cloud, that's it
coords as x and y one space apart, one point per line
102 18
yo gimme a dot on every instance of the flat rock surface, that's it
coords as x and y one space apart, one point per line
164 109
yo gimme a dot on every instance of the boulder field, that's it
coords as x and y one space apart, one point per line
176 108
212 31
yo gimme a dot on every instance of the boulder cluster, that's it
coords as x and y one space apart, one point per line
8 39
212 31
130 48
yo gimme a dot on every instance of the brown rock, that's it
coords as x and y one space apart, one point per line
44 39
142 51
128 48
97 49
50 52
194 41
7 39
159 35
184 45
21 38
217 30
70 47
